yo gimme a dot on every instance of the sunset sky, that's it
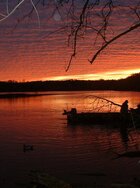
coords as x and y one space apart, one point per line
32 52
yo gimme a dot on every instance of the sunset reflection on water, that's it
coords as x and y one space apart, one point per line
64 151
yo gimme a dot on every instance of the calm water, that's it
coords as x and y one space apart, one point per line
69 153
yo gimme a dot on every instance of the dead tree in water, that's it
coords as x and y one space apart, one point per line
98 103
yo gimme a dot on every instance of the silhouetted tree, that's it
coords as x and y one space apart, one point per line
128 84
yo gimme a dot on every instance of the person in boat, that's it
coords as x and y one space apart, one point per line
124 107
124 113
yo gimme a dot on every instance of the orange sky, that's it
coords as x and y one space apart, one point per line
28 52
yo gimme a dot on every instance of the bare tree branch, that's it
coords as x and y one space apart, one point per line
81 21
34 7
14 9
82 17
112 40
136 10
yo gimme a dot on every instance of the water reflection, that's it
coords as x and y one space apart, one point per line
61 150
124 136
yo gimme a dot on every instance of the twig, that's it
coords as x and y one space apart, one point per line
10 13
81 21
36 12
112 40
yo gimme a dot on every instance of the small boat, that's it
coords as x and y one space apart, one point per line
113 118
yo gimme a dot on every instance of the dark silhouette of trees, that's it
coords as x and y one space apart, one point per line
128 84
81 18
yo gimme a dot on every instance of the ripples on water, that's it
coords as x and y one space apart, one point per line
76 154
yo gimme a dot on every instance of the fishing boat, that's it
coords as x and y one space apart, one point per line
113 118
122 117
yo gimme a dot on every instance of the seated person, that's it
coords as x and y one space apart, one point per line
124 107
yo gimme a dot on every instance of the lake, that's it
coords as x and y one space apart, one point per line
83 156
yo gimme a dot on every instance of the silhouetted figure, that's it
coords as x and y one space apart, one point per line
124 113
124 107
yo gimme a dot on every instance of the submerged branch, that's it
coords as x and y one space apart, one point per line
107 100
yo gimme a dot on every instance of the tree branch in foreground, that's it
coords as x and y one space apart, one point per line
112 40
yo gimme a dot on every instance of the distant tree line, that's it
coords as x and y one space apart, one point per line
129 84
